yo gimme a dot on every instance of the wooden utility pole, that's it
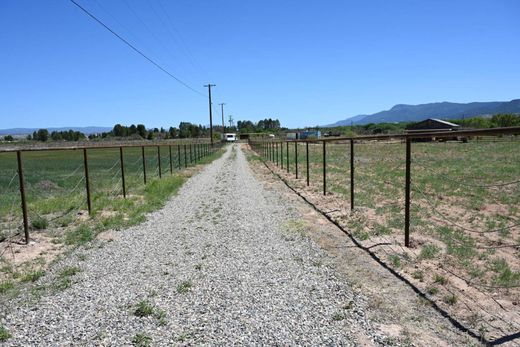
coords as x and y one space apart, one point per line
223 125
209 85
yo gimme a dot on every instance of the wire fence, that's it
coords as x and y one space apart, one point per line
51 188
445 214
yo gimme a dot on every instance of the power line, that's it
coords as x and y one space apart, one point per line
135 49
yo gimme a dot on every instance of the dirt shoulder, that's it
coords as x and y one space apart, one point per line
393 305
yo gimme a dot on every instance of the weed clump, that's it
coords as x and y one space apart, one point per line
79 236
4 334
40 223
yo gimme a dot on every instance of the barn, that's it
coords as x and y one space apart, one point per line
432 124
435 125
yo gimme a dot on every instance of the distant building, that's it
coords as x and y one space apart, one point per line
435 125
432 124
310 134
302 135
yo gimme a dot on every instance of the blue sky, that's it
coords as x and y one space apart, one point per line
304 62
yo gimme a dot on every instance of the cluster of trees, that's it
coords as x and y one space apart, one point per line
264 125
44 135
496 121
8 138
138 132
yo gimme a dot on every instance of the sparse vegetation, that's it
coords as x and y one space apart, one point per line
32 276
4 334
141 340
144 309
81 235
338 316
450 299
184 287
64 278
429 251
40 223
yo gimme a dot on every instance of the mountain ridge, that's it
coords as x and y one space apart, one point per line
26 131
443 109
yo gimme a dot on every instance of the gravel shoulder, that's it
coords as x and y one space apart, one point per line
226 262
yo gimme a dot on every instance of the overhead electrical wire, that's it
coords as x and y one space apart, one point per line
136 49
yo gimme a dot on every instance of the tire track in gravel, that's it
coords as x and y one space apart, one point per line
224 262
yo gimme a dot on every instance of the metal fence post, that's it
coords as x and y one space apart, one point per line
179 156
276 152
407 194
281 155
22 196
122 161
159 160
296 159
87 180
351 174
144 164
171 164
287 157
185 157
324 168
191 155
307 160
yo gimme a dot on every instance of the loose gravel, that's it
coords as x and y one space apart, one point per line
225 262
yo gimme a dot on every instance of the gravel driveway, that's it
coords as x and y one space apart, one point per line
225 262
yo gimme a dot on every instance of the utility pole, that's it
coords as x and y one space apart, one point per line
209 85
230 121
223 125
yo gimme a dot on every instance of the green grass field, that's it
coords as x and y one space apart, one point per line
465 215
56 194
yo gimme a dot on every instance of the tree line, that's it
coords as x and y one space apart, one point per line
140 132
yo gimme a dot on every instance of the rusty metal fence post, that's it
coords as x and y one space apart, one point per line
122 161
351 174
87 180
22 196
159 161
171 164
281 154
307 160
179 156
407 194
276 151
324 168
185 157
144 164
287 156
296 159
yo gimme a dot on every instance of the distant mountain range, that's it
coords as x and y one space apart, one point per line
26 131
443 110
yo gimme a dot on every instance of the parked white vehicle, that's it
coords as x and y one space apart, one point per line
230 137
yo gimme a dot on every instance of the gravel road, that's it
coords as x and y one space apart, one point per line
225 262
